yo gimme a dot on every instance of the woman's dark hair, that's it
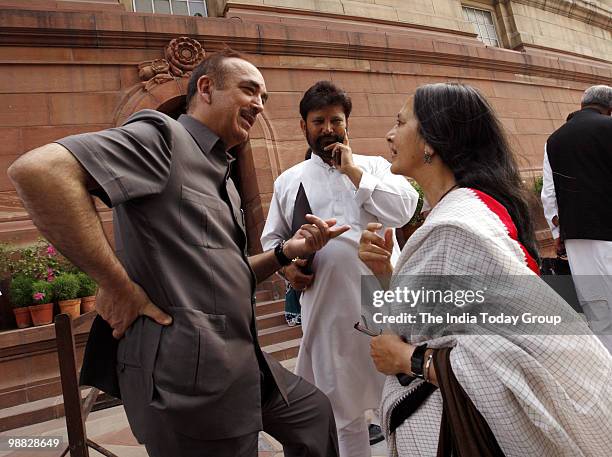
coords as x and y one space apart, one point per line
461 127
322 94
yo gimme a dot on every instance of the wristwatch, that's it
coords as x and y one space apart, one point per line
417 359
283 260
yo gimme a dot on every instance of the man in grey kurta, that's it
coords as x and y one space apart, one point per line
191 373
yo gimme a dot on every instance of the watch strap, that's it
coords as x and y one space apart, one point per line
417 359
283 260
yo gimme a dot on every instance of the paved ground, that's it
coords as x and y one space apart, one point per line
110 429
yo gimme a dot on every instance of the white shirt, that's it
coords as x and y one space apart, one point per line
548 196
333 355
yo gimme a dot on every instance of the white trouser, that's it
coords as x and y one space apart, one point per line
354 440
591 265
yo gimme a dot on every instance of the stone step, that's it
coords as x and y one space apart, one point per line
275 336
270 291
271 320
279 334
284 351
269 306
33 412
264 295
50 408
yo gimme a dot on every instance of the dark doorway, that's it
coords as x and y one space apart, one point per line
173 107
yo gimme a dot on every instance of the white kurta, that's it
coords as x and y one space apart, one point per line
591 265
333 355
590 262
549 196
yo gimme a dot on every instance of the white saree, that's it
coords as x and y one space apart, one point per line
541 395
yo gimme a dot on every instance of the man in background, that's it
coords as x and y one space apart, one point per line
356 190
576 194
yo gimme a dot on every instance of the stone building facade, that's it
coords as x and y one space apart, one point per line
77 66
72 66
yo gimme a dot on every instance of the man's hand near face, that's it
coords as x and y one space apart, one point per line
343 160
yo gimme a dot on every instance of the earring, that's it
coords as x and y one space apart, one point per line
427 157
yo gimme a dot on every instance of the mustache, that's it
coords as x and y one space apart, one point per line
250 113
330 139
323 141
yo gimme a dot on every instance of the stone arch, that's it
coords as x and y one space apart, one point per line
163 88
169 98
258 167
164 81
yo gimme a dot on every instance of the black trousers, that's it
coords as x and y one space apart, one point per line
305 428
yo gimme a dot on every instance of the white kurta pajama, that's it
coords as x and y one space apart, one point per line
590 263
333 355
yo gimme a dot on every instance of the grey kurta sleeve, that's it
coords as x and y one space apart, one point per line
127 162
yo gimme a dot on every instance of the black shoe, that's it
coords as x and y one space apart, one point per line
376 434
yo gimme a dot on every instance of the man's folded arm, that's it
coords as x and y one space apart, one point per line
388 197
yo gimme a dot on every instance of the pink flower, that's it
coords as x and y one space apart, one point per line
38 296
51 251
50 276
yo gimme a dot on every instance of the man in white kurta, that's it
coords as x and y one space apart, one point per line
356 191
583 152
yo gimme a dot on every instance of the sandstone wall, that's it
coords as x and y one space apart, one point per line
69 71
579 27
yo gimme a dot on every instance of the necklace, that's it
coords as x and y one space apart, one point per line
447 192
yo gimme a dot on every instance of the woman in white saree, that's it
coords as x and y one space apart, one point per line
479 389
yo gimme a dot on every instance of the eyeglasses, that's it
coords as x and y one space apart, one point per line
363 328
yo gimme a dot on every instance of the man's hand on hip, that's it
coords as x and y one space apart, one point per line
121 306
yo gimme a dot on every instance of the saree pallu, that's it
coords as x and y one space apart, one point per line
539 394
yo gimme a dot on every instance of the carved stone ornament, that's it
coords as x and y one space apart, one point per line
182 55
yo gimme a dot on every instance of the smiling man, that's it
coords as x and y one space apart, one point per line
177 292
355 190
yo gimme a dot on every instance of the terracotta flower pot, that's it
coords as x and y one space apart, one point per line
88 304
41 314
23 317
71 307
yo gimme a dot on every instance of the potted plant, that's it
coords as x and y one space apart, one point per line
20 291
87 292
42 309
66 289
538 183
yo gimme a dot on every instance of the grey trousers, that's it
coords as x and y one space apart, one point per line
305 428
